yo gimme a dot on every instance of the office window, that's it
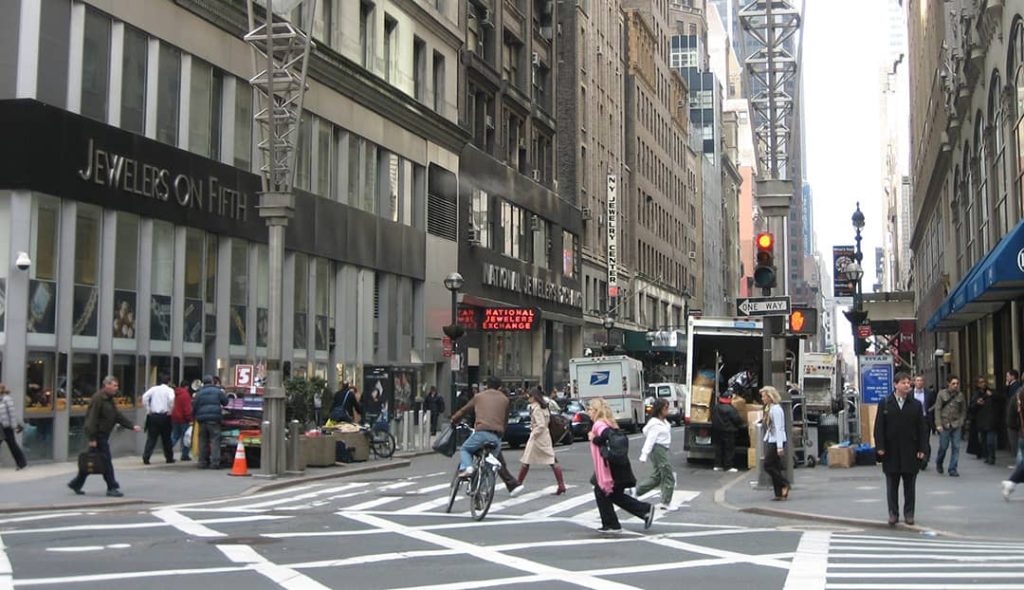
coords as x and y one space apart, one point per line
439 83
324 159
324 303
391 49
570 254
168 94
362 175
243 124
419 69
391 177
162 283
541 242
510 60
200 103
133 81
481 218
95 65
303 147
366 28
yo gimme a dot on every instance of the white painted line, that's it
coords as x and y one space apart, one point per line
810 564
733 556
79 549
942 557
127 576
237 499
907 551
681 565
510 582
307 496
482 553
88 527
373 503
564 505
1018 575
40 517
373 558
282 576
923 543
6 573
840 537
930 566
527 497
186 524
924 586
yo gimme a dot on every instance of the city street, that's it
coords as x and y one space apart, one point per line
389 530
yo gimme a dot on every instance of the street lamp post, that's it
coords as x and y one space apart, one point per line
454 283
609 323
939 356
857 316
280 56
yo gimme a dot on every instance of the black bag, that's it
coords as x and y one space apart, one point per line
92 462
558 427
445 442
616 447
341 452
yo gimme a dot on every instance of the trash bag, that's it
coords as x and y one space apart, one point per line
445 442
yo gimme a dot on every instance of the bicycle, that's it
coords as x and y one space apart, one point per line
479 486
379 437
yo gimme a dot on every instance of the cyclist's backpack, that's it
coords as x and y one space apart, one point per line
616 448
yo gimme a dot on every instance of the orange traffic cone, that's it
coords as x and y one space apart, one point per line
241 466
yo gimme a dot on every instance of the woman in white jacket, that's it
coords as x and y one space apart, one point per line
659 437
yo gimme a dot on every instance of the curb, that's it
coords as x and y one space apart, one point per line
288 482
71 507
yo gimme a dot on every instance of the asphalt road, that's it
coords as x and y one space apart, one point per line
389 531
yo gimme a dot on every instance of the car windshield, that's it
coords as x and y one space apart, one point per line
659 391
576 407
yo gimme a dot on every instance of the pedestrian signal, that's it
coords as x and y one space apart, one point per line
803 320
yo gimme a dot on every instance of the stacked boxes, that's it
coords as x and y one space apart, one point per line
868 413
700 399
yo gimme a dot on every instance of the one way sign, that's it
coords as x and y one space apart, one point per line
763 306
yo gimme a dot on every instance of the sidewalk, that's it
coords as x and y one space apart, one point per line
971 505
44 486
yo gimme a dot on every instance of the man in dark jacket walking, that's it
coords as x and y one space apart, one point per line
901 440
950 415
206 409
725 421
434 404
100 419
1013 433
987 406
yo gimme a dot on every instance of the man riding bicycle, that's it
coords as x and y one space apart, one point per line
491 408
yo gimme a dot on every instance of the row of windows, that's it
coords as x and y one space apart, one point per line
662 267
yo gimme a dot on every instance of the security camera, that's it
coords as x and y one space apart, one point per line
23 262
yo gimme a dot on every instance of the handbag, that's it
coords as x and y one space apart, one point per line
557 428
92 462
445 442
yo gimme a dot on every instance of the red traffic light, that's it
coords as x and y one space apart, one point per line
765 241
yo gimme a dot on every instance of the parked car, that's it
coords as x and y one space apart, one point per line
576 412
673 393
517 430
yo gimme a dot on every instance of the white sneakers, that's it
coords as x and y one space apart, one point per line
717 469
467 472
1008 487
519 489
733 470
668 507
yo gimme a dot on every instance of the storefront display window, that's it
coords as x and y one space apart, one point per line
84 380
126 264
163 281
87 259
40 386
301 305
42 301
193 314
239 290
508 354
125 368
324 302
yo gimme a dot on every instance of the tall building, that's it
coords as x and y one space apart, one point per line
665 210
591 170
522 250
133 193
965 182
894 102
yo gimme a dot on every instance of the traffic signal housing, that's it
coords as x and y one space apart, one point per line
764 264
803 321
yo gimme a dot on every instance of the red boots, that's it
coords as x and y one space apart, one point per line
558 477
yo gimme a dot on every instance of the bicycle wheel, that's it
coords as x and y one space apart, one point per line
480 502
383 444
454 491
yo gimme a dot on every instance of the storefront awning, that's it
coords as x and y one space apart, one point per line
996 279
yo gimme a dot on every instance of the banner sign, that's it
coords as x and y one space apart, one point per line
613 235
842 284
876 372
508 319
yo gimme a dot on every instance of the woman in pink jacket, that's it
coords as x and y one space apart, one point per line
611 478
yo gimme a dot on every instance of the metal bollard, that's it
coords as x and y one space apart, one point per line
293 448
266 470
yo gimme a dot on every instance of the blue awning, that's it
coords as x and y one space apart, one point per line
994 280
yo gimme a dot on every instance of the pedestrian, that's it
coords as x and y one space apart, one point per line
900 435
11 427
181 419
540 448
207 409
950 414
1018 473
159 403
490 409
1013 431
434 404
725 421
100 419
612 477
987 406
922 397
658 441
774 423
346 407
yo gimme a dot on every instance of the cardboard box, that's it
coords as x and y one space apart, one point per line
751 458
868 413
701 395
741 406
701 380
700 413
841 457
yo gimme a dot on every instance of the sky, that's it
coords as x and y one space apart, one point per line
842 130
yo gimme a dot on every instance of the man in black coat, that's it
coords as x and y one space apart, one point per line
901 440
988 408
434 404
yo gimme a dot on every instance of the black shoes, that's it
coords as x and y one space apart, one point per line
145 461
77 491
893 519
650 518
115 493
938 468
954 474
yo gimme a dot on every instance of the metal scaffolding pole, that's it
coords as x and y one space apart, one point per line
280 55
